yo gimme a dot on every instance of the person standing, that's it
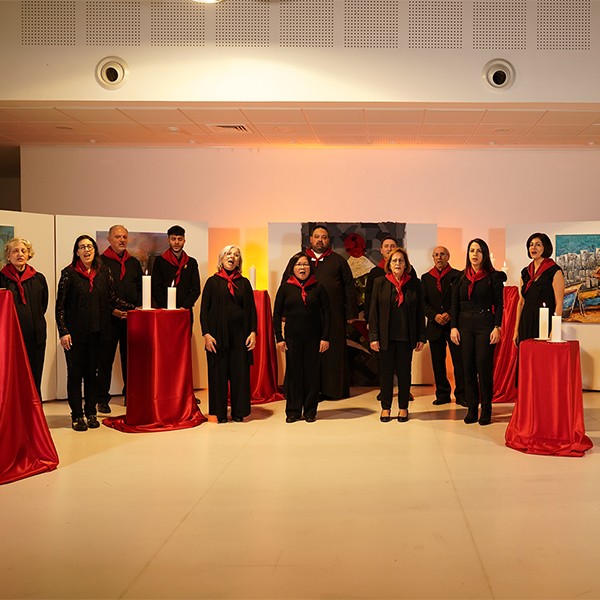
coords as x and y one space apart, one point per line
476 320
542 284
333 273
175 268
228 320
437 299
127 277
302 301
30 292
396 329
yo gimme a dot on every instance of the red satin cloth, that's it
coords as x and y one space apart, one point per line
263 373
505 357
548 415
26 446
160 390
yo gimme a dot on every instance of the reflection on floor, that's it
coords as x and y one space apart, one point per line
346 507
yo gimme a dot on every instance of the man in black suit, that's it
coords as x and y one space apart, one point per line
437 295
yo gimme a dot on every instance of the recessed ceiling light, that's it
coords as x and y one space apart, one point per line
208 1
64 128
173 129
502 130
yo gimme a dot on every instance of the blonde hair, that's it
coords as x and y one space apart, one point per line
17 240
223 252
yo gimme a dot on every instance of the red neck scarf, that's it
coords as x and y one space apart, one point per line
19 277
381 264
473 276
170 257
398 285
229 278
110 253
293 280
83 271
313 256
439 275
535 275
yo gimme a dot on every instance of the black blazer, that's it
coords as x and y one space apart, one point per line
379 317
436 302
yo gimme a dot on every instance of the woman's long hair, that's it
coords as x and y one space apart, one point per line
486 262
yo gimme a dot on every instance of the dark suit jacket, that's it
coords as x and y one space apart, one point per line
379 317
436 303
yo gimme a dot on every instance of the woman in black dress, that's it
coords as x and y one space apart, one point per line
30 291
476 318
303 302
84 305
396 328
228 320
542 284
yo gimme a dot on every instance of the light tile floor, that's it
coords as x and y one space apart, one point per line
346 507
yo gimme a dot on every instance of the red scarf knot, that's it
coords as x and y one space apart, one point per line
316 259
110 253
398 285
439 275
83 271
180 263
19 277
293 280
474 276
535 275
229 278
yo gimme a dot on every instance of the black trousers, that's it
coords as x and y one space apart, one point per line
36 354
118 338
438 362
301 377
82 365
478 358
229 375
397 359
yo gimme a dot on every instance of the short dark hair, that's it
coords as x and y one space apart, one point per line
176 230
289 271
548 247
320 226
486 263
97 260
398 250
388 237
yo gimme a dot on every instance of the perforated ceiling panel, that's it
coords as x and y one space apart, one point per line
435 25
371 24
48 23
242 23
500 25
306 24
112 23
177 23
563 25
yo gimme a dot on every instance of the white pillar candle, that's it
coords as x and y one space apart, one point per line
556 328
171 298
253 277
544 319
146 292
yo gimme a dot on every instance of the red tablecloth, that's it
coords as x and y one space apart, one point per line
160 391
263 373
505 357
26 446
548 415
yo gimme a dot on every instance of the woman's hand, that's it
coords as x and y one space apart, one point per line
210 344
455 336
419 346
495 336
323 346
251 341
281 346
65 341
374 346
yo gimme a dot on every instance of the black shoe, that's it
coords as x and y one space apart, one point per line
79 425
92 422
403 419
238 419
310 419
462 403
410 397
439 401
104 408
197 400
471 417
485 418
385 419
222 420
291 419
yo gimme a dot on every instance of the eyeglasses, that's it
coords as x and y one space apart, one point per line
302 265
86 247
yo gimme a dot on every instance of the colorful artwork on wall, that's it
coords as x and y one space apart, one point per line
7 232
145 246
579 257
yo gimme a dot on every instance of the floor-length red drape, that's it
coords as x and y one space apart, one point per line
505 357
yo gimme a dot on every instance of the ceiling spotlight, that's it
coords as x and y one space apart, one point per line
208 1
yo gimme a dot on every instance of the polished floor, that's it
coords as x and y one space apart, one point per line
346 507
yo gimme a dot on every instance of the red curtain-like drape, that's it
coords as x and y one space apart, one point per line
505 358
26 446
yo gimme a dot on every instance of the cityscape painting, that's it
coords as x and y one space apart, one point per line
578 255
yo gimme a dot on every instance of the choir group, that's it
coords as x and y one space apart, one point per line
459 311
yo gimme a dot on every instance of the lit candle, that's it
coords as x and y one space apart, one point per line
556 328
172 297
544 318
505 268
253 277
146 292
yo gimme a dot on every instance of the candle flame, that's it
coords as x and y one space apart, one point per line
173 283
544 304
146 271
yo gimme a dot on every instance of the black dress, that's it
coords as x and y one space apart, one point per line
540 292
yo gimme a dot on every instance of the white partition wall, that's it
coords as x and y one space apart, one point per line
69 227
39 230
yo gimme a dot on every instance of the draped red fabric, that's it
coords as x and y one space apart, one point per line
160 391
505 357
26 446
263 373
548 415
